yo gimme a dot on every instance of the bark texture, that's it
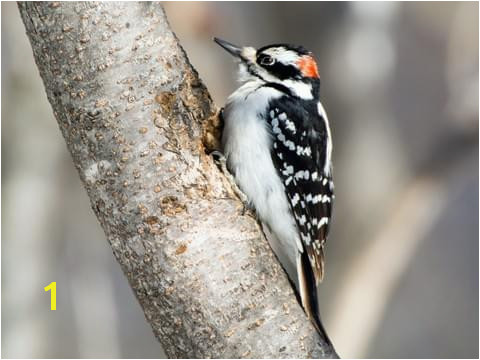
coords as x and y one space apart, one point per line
134 115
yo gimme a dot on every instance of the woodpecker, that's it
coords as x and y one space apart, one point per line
277 145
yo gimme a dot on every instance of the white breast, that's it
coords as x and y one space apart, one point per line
246 144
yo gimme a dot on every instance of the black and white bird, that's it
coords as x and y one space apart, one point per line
278 147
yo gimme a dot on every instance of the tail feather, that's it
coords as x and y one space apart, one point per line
301 275
308 293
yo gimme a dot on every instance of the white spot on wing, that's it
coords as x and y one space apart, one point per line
295 199
289 144
275 123
288 169
290 125
316 199
323 221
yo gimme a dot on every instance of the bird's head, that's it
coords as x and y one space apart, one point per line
285 65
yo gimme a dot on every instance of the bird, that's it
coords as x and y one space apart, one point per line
277 146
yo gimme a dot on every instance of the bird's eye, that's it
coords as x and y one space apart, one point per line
266 60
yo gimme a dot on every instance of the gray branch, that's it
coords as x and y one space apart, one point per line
136 118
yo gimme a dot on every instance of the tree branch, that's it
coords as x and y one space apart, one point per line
132 111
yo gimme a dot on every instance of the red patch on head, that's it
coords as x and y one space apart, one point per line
308 66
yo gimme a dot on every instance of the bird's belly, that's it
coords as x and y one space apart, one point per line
249 159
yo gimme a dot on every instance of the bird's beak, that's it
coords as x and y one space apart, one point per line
232 49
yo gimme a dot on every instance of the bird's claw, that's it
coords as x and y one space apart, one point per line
221 162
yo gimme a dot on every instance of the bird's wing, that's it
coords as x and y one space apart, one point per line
298 152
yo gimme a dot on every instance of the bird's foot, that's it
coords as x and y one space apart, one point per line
221 162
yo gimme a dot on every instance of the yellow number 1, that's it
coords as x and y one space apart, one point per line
53 296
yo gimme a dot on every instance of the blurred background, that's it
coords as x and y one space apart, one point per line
400 85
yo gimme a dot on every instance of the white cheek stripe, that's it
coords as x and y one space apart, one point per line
301 89
328 157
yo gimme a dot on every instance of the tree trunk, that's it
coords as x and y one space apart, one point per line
135 118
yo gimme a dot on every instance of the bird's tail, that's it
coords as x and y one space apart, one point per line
308 293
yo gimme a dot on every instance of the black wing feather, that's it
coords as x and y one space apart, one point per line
298 152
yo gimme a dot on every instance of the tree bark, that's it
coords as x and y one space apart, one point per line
136 118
